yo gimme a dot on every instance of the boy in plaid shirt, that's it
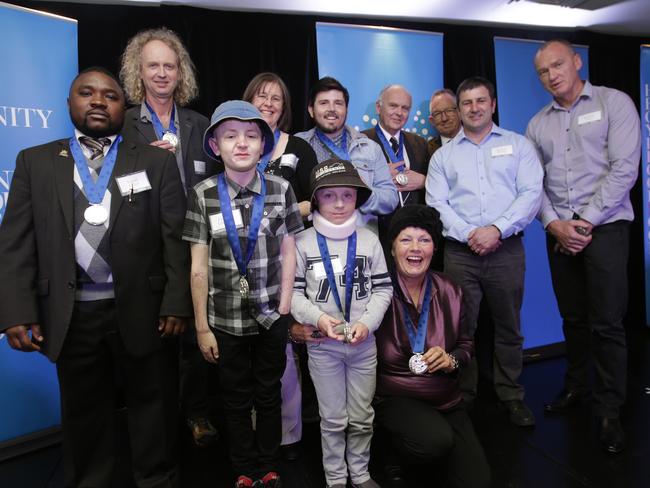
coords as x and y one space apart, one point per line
241 225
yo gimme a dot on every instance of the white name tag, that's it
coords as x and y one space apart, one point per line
319 268
590 117
289 160
199 167
133 183
217 224
502 151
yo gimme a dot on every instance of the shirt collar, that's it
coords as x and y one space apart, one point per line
587 92
255 185
387 134
145 115
87 152
494 130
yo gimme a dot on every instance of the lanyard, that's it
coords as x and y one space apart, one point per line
350 266
416 339
157 125
394 158
339 152
94 190
265 160
229 222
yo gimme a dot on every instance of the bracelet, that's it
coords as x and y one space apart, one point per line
454 362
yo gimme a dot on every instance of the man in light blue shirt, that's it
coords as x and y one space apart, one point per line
487 185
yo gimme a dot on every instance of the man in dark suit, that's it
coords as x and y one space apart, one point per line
158 75
94 275
405 152
444 116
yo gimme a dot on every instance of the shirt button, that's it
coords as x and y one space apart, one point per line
246 205
568 149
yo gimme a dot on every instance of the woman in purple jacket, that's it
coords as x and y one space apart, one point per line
421 347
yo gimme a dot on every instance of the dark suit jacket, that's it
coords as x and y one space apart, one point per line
149 261
416 148
192 127
433 145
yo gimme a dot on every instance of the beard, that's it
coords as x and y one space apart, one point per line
110 129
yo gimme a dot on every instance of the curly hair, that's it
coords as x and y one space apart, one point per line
187 88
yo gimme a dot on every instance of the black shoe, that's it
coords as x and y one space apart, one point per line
520 414
203 432
394 476
562 403
611 435
291 452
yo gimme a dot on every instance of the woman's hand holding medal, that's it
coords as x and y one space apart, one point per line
438 359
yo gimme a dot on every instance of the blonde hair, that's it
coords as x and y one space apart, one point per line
187 88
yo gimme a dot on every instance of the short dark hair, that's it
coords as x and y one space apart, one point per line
327 83
258 82
98 69
476 82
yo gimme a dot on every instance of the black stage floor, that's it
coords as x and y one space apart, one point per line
559 452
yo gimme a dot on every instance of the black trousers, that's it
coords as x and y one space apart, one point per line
499 278
197 377
422 435
250 369
591 291
92 353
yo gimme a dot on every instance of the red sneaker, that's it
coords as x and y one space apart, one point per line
244 482
271 480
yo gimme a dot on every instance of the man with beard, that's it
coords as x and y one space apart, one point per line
93 274
487 185
328 107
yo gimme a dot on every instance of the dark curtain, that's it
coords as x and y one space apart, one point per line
229 48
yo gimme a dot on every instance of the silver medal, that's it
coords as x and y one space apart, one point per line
96 215
243 287
417 364
171 138
401 179
347 332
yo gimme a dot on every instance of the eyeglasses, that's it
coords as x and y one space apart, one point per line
448 113
274 99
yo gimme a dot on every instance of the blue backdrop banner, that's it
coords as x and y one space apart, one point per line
645 132
39 58
520 95
366 59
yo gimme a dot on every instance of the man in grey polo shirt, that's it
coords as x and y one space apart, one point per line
588 139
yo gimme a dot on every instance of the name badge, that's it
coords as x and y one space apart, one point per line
319 268
502 151
199 167
590 117
217 224
133 183
289 160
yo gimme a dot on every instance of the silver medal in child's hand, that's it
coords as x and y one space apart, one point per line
243 287
347 332
417 364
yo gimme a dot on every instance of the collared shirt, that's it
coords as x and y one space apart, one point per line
388 136
590 153
444 139
496 182
227 310
86 150
145 116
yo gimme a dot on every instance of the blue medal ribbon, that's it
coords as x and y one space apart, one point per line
94 190
157 125
350 265
266 159
417 338
339 152
394 158
231 228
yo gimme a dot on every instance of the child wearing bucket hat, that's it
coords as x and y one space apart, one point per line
241 225
342 286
